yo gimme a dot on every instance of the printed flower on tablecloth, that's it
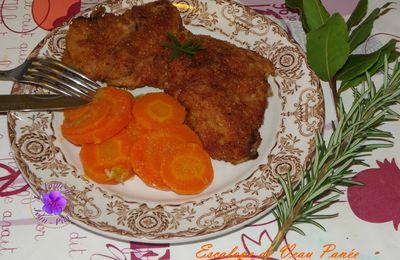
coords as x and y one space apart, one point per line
54 202
51 14
377 201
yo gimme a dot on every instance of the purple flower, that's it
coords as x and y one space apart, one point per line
54 202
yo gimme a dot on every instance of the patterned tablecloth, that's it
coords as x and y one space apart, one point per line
366 234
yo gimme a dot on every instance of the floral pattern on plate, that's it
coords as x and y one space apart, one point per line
238 195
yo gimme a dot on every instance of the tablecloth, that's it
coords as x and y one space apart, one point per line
351 235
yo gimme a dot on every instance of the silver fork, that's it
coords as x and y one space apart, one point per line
54 76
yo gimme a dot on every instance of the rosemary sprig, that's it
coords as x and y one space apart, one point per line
188 47
355 136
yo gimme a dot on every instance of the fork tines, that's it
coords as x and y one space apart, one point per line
58 77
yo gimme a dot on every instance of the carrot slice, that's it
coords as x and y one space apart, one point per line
158 109
187 169
147 152
108 162
135 129
121 101
81 128
85 118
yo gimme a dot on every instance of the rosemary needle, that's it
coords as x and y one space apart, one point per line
188 47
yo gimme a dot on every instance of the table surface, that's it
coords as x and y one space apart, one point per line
352 234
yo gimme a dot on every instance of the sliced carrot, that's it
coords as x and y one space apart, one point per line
147 152
76 112
158 109
85 118
187 169
121 101
108 162
109 113
135 129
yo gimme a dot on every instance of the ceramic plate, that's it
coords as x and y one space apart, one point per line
238 195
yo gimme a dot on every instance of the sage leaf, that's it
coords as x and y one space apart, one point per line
358 14
361 33
357 65
315 14
328 47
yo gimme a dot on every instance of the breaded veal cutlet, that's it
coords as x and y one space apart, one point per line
222 87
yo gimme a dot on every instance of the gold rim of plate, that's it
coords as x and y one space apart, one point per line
40 151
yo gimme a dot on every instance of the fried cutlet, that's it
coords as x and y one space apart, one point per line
223 87
224 91
123 50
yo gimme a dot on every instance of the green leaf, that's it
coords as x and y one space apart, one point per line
394 55
385 12
357 65
361 33
358 14
178 49
306 28
298 230
328 47
172 38
298 5
315 14
345 85
389 49
295 4
385 8
387 5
